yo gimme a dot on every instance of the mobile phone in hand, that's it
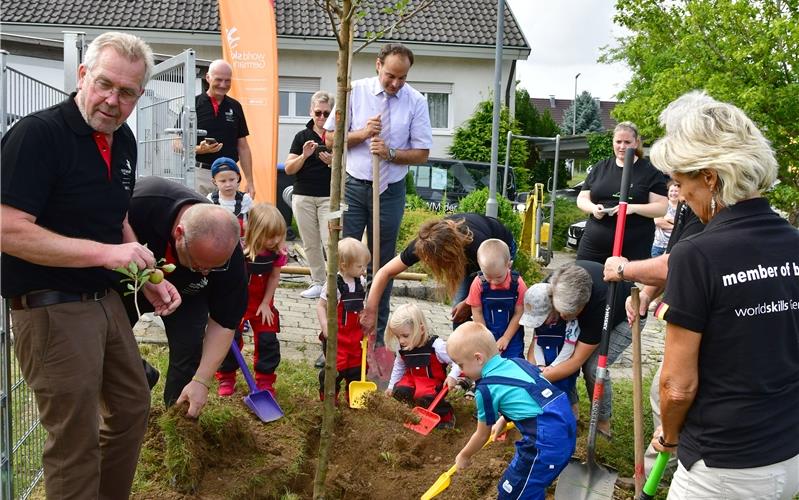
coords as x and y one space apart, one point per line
210 141
607 210
322 149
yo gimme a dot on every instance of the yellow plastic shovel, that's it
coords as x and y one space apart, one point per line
359 389
444 480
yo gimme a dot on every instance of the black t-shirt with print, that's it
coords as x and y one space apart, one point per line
313 179
604 182
737 285
153 209
592 317
52 169
227 126
482 227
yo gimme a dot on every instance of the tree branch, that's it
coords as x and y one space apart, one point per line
330 8
402 19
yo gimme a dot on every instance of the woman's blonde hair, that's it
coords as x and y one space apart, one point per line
441 245
705 134
264 222
408 315
351 250
633 129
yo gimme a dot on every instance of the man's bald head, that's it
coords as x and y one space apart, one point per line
219 78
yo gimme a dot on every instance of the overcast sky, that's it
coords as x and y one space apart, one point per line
565 37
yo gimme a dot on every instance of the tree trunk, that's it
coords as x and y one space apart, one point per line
334 225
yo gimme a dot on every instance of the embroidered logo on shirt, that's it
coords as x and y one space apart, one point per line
507 486
127 175
229 115
195 288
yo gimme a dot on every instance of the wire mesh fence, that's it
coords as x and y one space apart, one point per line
21 435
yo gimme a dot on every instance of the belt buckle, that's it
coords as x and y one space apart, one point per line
94 296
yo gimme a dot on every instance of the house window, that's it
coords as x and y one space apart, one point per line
438 105
438 102
295 96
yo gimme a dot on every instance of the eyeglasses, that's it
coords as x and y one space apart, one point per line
105 88
223 267
318 113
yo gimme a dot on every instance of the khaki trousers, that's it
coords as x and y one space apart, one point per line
311 214
83 365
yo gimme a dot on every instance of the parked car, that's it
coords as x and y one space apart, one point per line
570 192
454 179
575 233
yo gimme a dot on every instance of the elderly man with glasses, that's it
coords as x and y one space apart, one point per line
202 240
67 177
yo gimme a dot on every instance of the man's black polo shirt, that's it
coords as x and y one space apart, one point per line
153 210
53 170
737 284
227 126
592 317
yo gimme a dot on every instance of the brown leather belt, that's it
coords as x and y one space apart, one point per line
51 297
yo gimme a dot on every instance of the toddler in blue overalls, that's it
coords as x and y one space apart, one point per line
554 339
495 297
513 389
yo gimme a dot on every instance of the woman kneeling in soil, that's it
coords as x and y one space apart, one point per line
513 389
420 369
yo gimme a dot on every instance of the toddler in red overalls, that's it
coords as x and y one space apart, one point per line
265 252
353 257
420 369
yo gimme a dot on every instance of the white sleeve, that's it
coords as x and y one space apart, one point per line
397 371
440 347
540 360
569 341
246 203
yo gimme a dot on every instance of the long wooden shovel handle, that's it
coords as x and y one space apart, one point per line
638 407
375 215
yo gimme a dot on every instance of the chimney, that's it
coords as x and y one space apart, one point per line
552 101
597 102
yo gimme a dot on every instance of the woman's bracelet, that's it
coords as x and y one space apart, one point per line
201 382
664 444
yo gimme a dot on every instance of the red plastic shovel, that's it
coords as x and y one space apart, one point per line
428 419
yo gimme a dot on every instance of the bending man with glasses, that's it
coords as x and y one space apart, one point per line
202 240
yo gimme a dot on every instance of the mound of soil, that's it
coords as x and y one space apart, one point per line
228 453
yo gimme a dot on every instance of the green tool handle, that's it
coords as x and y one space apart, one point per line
653 480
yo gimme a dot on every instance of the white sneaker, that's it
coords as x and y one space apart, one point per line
313 292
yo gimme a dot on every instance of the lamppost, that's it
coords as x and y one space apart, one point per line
574 106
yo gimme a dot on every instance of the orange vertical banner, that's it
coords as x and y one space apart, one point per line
249 44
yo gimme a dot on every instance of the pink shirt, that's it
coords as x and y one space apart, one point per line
476 290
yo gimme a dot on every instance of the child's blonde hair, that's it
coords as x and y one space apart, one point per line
351 251
469 338
404 316
492 253
264 222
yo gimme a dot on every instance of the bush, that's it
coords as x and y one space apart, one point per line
476 202
414 202
528 268
566 214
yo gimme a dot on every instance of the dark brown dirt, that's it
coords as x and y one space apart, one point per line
373 455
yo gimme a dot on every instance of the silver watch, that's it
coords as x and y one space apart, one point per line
392 154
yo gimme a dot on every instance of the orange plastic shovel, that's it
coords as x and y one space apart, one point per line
428 419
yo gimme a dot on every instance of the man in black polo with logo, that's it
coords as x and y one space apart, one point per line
67 177
202 240
222 118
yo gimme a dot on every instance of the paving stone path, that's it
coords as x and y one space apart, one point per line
300 327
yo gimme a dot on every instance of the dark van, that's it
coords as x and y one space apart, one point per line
455 179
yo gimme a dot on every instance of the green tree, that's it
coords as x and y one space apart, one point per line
739 51
472 140
587 116
536 124
600 146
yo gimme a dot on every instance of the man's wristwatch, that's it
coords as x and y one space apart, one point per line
392 154
620 270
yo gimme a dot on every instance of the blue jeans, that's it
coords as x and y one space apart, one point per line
657 251
358 217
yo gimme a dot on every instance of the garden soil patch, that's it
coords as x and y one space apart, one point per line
230 454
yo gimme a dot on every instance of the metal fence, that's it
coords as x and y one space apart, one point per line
165 115
21 436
